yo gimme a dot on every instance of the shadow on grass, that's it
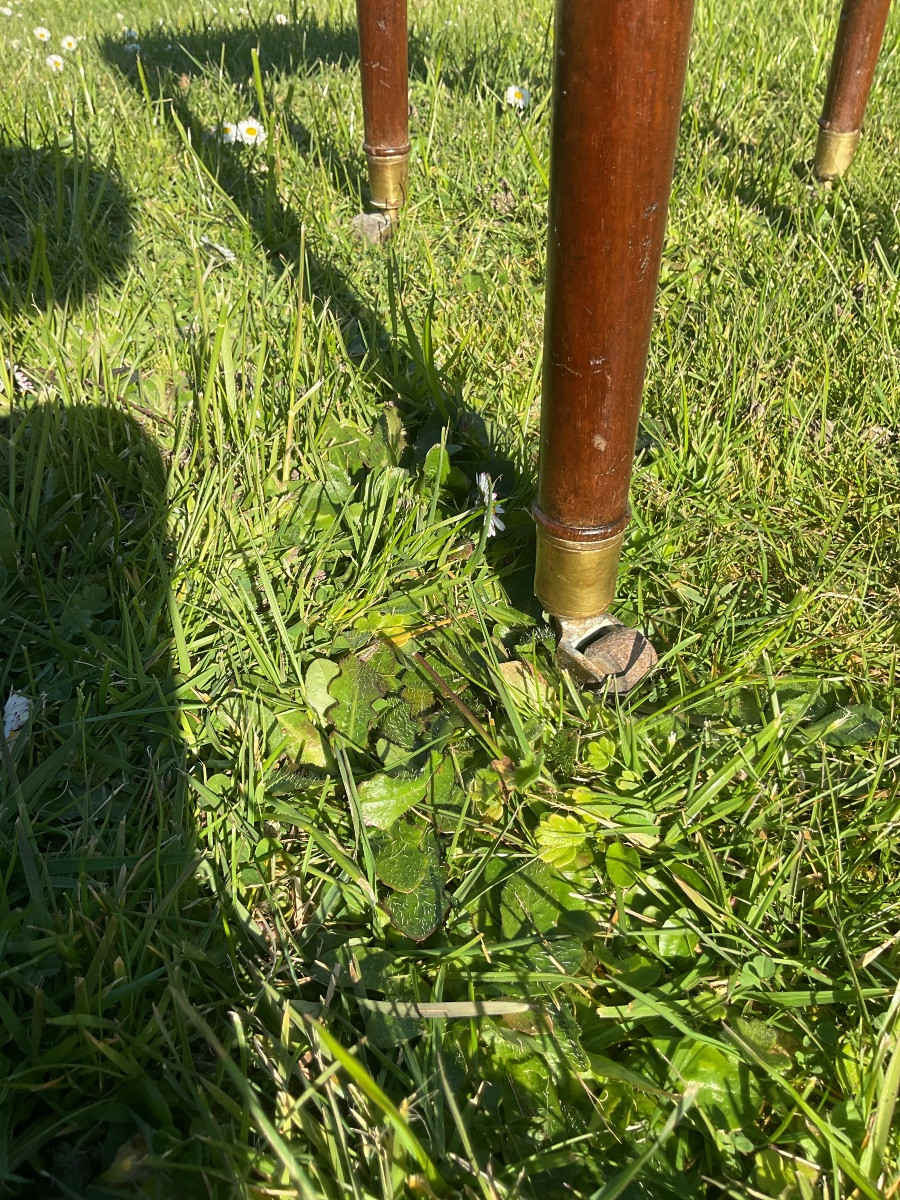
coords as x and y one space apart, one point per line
65 225
98 857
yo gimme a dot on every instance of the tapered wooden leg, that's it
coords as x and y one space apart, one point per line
617 91
385 95
859 37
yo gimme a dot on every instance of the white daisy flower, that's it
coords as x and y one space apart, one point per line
228 132
489 497
15 44
5 12
15 715
69 42
518 96
42 34
55 62
250 132
280 19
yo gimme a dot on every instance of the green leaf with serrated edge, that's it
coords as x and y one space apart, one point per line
600 754
355 688
319 674
560 838
397 724
384 799
400 863
850 726
622 865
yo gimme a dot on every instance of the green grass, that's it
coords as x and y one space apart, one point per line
303 892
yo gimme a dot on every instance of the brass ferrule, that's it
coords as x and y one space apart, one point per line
834 153
388 181
576 579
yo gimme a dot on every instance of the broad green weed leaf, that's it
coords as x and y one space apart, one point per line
535 898
727 1092
319 674
760 967
851 726
673 939
561 838
356 688
384 799
622 865
762 1038
400 862
607 1068
600 753
397 724
437 465
305 743
418 914
784 1178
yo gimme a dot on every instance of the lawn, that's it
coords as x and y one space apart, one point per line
317 877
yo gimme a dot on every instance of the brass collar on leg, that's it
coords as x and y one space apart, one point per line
388 181
834 153
576 579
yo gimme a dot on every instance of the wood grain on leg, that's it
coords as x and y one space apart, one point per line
617 91
383 58
857 46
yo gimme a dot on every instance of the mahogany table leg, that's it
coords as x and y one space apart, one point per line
385 94
859 37
617 90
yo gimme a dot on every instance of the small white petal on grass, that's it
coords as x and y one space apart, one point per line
250 132
280 19
15 715
228 255
5 12
55 62
42 34
15 44
489 497
517 96
69 42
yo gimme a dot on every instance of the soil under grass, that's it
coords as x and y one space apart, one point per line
317 878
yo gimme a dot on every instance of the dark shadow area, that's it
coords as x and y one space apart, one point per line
65 225
95 836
